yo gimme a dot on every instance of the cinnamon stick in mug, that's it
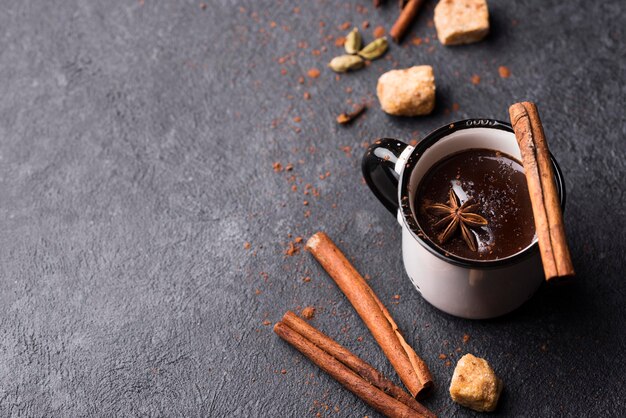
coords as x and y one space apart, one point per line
411 369
555 255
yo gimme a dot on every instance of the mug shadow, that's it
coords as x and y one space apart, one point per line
562 337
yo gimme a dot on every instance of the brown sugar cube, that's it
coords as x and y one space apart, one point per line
461 21
475 385
408 92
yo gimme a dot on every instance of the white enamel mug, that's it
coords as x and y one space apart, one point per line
461 287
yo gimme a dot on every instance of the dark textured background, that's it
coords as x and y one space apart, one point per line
136 152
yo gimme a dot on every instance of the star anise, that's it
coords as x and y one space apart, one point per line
457 216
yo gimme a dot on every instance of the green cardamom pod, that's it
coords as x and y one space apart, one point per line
344 63
353 41
374 49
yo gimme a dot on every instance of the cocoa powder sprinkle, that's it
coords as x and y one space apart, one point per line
308 312
313 73
340 41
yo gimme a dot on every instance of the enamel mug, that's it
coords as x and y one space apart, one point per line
465 288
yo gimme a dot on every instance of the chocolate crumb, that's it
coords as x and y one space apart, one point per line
345 118
308 312
291 250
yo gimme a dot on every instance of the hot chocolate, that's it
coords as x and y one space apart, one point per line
475 205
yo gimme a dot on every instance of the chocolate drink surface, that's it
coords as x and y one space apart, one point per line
475 205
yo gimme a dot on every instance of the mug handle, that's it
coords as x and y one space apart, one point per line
379 170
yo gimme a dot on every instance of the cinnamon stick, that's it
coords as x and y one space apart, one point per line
407 15
555 255
371 395
354 363
410 368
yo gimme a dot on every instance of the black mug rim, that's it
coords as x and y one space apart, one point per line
405 204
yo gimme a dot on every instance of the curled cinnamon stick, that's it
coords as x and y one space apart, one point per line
346 357
407 15
410 368
555 255
371 395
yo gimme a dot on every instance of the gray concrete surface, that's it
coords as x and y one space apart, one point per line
137 144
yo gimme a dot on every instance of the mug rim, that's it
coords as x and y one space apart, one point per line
411 223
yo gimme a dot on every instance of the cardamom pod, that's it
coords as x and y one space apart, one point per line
374 49
344 63
353 41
